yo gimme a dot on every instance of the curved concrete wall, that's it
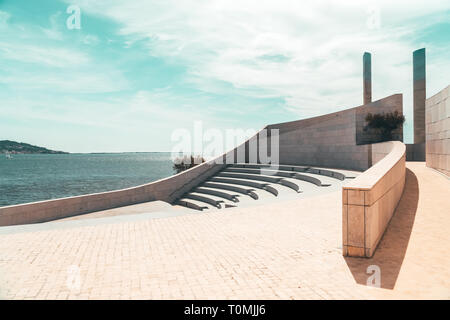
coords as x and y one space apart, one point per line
326 141
370 200
437 126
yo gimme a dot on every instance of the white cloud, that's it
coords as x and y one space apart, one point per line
68 81
309 54
42 55
4 17
322 43
55 30
141 121
33 62
91 39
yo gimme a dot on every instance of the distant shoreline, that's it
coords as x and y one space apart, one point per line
13 147
19 152
74 153
121 152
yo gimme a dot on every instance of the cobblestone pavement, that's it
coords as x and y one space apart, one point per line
284 250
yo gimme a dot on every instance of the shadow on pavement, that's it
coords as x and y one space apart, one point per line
392 247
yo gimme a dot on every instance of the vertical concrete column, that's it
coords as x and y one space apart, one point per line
367 77
419 78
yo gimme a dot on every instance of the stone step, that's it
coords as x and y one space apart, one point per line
192 204
256 176
221 202
288 174
291 185
325 172
206 199
219 193
224 186
248 183
310 179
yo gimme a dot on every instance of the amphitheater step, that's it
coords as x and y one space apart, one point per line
286 174
291 185
230 187
223 194
325 172
192 204
310 179
206 199
268 166
328 173
263 171
256 176
248 183
221 203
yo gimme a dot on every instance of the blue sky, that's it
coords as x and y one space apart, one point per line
138 70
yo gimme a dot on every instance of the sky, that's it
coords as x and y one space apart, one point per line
137 71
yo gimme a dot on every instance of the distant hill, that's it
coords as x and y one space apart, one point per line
7 146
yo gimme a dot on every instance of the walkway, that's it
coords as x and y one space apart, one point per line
287 249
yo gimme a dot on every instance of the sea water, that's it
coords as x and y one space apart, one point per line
35 177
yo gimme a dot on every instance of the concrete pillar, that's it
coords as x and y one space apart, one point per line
367 77
419 78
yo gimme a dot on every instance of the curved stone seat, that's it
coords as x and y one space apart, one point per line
222 194
255 176
320 171
259 177
291 185
230 187
263 186
281 173
328 173
261 171
193 204
202 198
209 199
313 180
221 202
260 165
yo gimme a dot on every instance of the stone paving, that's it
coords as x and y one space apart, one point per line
288 249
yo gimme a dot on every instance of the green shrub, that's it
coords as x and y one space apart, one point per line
185 162
385 123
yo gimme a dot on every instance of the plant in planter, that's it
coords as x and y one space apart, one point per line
385 123
185 162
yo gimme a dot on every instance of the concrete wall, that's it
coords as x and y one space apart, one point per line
331 140
437 119
370 200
